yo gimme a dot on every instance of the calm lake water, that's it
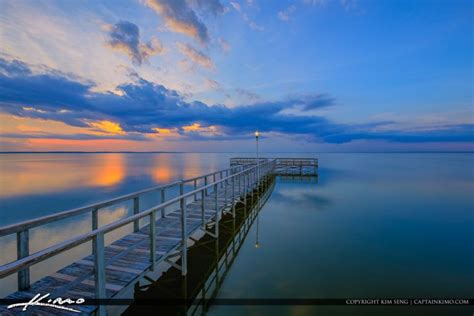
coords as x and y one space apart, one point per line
373 225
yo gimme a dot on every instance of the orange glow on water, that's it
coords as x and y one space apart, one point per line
111 171
162 170
57 173
162 174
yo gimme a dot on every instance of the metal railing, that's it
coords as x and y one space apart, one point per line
297 162
246 177
246 160
22 228
310 162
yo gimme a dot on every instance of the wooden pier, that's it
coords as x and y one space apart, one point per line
161 235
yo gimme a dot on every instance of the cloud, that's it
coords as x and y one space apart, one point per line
195 55
212 84
42 135
349 5
107 127
224 45
236 6
284 15
251 96
125 37
316 2
215 7
142 107
315 101
252 24
456 133
145 107
179 17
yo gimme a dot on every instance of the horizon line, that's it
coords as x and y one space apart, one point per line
230 152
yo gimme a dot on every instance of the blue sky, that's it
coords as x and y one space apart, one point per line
196 75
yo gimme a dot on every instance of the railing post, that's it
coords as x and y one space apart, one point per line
202 210
162 193
216 229
233 197
195 187
205 184
245 186
184 232
260 183
153 240
136 209
225 192
250 187
240 185
255 180
95 224
246 177
23 250
247 181
99 271
95 219
252 180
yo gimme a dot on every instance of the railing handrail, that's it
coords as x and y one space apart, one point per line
51 251
277 159
31 223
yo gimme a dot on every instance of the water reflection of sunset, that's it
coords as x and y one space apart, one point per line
162 170
192 166
111 171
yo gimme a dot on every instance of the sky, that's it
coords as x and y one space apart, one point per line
204 75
